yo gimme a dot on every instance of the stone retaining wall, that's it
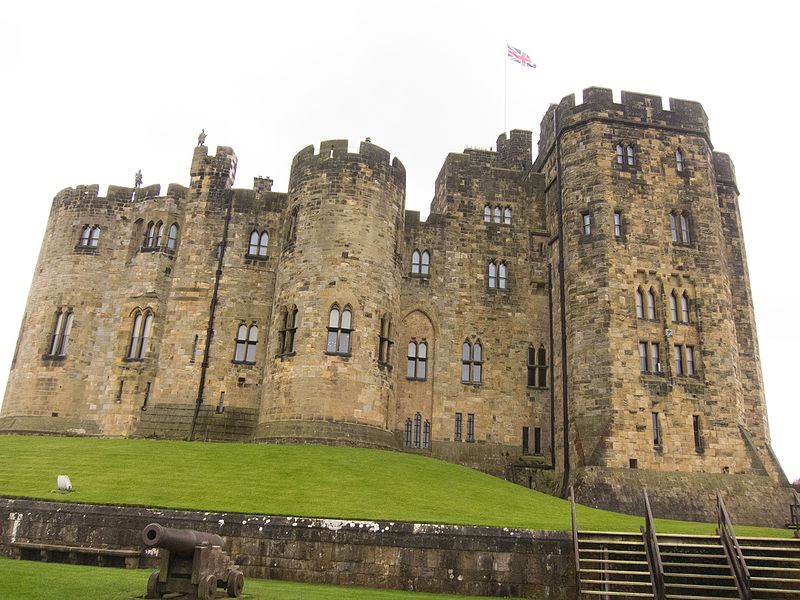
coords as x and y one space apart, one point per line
481 561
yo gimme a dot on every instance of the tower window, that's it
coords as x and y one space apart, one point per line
287 332
690 360
59 340
159 234
420 262
655 358
417 361
537 440
291 226
384 341
678 360
150 235
502 276
339 331
656 430
425 266
673 307
639 304
537 367
680 228
620 154
492 275
617 224
630 155
246 340
258 244
90 236
587 223
415 262
651 304
140 334
471 362
525 436
172 237
698 435
643 357
684 307
625 155
497 214
679 165
487 214
457 432
507 216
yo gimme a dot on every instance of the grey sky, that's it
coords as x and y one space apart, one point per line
91 92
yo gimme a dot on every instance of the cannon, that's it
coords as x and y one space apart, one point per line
192 563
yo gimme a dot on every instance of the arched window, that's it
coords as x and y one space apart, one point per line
620 154
507 216
417 361
639 304
252 248
384 341
140 334
85 233
685 237
487 214
673 226
262 244
415 262
673 306
59 341
291 330
497 214
407 434
246 340
541 362
149 236
426 434
651 305
629 152
95 236
531 366
492 275
425 265
339 330
159 233
291 229
172 237
501 276
679 160
471 362
417 427
685 307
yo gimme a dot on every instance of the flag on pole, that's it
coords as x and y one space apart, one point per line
520 57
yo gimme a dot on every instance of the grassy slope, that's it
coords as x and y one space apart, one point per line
24 580
310 481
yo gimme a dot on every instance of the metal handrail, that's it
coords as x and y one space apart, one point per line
732 550
653 553
575 544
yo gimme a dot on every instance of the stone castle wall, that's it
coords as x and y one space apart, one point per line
558 327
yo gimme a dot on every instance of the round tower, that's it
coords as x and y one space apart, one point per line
337 291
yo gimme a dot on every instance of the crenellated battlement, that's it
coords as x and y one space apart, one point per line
332 153
598 103
116 194
221 165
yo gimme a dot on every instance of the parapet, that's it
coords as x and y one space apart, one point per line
146 192
221 165
333 152
724 171
516 150
598 103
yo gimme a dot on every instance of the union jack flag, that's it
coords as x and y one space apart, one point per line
521 57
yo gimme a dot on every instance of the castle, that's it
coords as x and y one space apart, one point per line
582 317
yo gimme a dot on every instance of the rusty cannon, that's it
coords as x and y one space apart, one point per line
192 563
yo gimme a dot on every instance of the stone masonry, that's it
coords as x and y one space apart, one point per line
581 317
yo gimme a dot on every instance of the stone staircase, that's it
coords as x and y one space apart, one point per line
685 567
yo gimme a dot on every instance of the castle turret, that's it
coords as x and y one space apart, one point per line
336 282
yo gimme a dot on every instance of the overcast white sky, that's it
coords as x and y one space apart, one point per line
91 92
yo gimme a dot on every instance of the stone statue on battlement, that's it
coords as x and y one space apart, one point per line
138 179
201 139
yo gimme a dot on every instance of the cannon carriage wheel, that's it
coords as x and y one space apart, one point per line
235 584
207 590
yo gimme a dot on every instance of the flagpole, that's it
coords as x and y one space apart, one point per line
505 90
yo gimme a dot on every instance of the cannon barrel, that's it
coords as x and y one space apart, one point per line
179 541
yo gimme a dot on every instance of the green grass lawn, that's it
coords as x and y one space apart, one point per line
25 580
307 481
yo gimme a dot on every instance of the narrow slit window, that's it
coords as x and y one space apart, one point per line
425 265
172 237
502 272
679 161
690 360
673 307
457 431
678 360
617 224
643 357
684 307
656 430
492 276
651 305
470 427
639 304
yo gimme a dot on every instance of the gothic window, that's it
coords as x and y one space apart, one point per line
288 330
140 334
651 304
487 214
291 229
679 226
690 360
252 248
425 265
339 329
415 262
417 360
537 367
617 224
639 304
492 275
262 243
417 427
685 236
655 358
678 360
673 226
684 307
586 219
630 155
407 434
457 431
59 341
625 155
620 154
149 236
470 427
258 244
507 216
471 362
426 434
497 214
172 237
384 341
502 271
679 164
246 340
85 234
673 306
643 357
159 234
